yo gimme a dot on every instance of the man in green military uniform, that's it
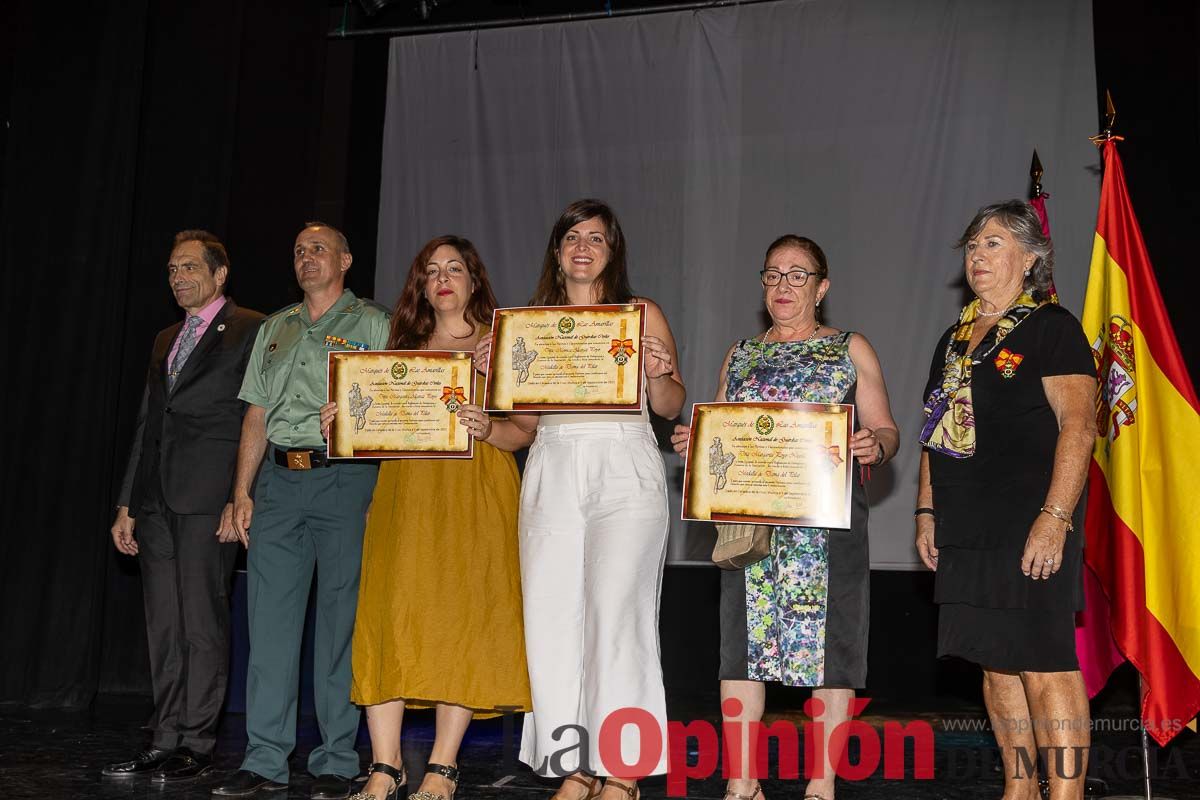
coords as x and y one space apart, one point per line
306 511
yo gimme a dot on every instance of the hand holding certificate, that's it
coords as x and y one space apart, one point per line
566 358
400 404
769 463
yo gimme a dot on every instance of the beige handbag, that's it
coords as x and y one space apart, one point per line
740 545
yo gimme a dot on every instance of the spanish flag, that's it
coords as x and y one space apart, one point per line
1143 509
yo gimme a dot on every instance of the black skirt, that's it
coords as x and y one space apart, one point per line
995 616
1009 639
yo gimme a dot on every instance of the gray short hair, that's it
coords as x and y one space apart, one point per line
343 242
1022 221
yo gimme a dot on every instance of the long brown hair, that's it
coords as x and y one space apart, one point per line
613 280
413 319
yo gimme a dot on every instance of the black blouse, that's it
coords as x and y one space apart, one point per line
988 502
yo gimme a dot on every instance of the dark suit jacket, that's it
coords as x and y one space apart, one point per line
187 437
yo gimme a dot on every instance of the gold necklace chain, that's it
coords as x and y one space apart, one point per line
794 361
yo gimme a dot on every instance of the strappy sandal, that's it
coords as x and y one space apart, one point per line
399 778
757 791
449 773
633 791
591 782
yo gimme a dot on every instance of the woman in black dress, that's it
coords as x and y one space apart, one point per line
1009 431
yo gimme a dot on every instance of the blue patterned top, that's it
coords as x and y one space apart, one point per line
811 371
786 593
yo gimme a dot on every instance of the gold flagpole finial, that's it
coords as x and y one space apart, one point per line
1035 174
1110 117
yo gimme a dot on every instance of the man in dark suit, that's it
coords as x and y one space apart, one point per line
176 492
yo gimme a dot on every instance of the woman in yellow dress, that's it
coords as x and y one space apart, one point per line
439 607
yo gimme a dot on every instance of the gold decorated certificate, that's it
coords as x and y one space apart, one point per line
400 403
770 463
566 358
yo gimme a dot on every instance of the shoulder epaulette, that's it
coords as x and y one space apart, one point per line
361 304
286 311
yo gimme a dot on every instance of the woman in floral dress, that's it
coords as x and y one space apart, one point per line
799 617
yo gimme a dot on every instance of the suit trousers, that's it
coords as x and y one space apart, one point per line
186 577
593 536
304 519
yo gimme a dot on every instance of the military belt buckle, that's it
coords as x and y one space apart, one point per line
299 459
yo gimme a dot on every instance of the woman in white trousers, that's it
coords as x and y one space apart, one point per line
593 533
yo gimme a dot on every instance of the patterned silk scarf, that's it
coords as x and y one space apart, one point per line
949 414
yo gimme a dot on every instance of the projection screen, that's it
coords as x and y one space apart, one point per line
876 128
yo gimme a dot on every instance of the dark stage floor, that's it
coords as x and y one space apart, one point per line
61 756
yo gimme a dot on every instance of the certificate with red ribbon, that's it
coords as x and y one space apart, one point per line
567 358
770 464
400 403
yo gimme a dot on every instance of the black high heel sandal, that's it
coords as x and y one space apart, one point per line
449 773
398 776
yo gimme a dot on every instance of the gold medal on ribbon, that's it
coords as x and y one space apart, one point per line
621 350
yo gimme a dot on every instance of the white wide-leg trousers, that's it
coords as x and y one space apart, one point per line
593 533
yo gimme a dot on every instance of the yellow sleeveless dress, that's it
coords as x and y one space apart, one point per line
439 606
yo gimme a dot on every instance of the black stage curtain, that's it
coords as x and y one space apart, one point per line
128 121
1148 56
70 170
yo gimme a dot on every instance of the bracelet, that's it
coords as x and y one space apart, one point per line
924 510
1059 514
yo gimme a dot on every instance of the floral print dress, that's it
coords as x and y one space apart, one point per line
799 616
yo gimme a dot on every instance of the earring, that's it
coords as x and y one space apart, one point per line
1026 273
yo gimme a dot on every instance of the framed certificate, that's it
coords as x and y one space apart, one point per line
566 358
770 463
400 403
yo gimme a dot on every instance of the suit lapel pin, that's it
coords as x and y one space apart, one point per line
221 327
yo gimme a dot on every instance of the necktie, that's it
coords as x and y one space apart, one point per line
187 343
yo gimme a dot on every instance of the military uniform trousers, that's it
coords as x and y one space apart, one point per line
186 576
303 519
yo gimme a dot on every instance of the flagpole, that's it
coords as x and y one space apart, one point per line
1146 788
1145 749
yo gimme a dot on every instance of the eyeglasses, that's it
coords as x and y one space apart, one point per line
796 277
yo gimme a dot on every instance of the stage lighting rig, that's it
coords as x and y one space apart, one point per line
373 7
425 7
422 8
